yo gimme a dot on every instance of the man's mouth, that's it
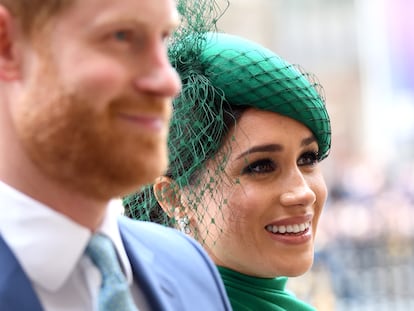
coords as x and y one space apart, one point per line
148 122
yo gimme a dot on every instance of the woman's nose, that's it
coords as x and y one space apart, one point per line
297 191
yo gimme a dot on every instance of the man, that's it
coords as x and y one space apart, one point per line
85 101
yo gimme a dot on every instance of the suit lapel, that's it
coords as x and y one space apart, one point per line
151 286
16 291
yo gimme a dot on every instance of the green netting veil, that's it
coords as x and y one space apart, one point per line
222 75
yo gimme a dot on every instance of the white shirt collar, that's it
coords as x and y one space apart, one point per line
47 244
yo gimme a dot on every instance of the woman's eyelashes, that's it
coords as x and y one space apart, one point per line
261 166
308 158
268 165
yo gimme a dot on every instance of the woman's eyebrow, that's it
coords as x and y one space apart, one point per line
308 140
262 148
275 147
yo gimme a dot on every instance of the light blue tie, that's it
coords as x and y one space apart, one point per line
114 294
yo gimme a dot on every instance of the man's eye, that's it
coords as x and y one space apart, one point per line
260 167
123 35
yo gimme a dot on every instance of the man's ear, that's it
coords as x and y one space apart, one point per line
9 60
167 194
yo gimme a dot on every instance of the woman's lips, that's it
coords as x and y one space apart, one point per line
295 230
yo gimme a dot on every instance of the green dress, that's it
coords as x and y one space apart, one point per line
247 293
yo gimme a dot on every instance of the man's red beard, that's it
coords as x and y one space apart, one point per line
86 148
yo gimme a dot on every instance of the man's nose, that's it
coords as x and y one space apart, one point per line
159 77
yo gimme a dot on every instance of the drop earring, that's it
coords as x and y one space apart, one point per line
184 224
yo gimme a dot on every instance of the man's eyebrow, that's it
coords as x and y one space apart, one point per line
107 21
127 17
261 148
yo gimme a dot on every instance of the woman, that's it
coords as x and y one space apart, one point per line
247 135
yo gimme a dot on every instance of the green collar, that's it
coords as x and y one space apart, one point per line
247 293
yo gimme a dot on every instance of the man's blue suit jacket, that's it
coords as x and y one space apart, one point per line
172 270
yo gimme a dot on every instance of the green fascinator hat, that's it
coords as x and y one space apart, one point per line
249 74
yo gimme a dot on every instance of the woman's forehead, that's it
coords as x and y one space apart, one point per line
261 123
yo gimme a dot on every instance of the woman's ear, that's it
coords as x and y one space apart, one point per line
167 194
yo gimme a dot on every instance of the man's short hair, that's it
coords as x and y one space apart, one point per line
33 14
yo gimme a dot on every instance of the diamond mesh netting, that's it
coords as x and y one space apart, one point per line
222 76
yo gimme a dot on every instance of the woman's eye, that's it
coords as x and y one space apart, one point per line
260 167
308 158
